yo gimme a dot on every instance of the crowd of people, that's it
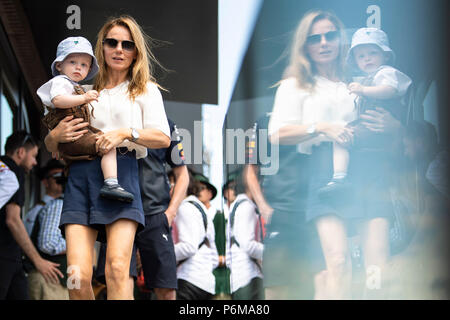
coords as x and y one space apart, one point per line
115 223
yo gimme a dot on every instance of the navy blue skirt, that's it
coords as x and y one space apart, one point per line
369 174
83 204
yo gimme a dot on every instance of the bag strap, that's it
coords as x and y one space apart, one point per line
205 221
232 214
232 217
233 239
199 207
205 224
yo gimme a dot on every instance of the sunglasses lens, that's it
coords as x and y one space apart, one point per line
112 43
128 45
317 38
313 39
331 36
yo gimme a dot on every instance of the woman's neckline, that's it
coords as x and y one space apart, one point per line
118 86
318 77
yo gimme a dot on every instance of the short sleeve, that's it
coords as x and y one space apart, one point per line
288 105
394 78
59 85
8 184
154 115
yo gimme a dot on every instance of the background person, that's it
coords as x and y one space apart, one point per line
47 238
195 250
244 245
21 151
50 174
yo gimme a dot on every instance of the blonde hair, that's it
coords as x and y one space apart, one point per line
300 65
141 70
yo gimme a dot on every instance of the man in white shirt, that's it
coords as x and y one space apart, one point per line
195 249
244 245
49 174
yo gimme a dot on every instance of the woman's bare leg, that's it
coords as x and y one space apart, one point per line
340 159
375 244
333 238
80 251
120 237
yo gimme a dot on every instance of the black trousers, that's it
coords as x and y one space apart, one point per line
13 282
187 291
253 291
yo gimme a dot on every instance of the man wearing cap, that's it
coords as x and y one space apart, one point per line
205 193
49 175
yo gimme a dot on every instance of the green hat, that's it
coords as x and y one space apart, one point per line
201 178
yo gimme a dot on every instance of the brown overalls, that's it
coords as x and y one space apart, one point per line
84 147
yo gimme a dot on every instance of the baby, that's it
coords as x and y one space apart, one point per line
383 86
63 96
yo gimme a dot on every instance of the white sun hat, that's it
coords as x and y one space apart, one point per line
370 36
75 45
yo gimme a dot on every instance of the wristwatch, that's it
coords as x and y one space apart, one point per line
134 135
311 129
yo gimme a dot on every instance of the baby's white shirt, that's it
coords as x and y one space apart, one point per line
387 75
59 85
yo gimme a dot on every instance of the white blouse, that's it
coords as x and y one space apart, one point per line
114 110
329 101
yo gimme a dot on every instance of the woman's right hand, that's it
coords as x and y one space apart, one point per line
337 132
65 131
68 129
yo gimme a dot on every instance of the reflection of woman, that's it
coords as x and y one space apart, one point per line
311 108
131 113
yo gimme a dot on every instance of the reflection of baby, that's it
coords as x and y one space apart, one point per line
63 96
383 86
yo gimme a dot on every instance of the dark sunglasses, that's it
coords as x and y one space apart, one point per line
25 139
126 44
58 177
316 38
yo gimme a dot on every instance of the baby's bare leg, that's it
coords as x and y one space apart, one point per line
109 164
111 188
340 159
340 163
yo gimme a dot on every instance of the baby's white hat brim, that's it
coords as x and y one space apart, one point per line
75 45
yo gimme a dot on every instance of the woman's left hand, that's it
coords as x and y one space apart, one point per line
109 140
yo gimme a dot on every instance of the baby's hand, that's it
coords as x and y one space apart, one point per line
91 95
356 88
